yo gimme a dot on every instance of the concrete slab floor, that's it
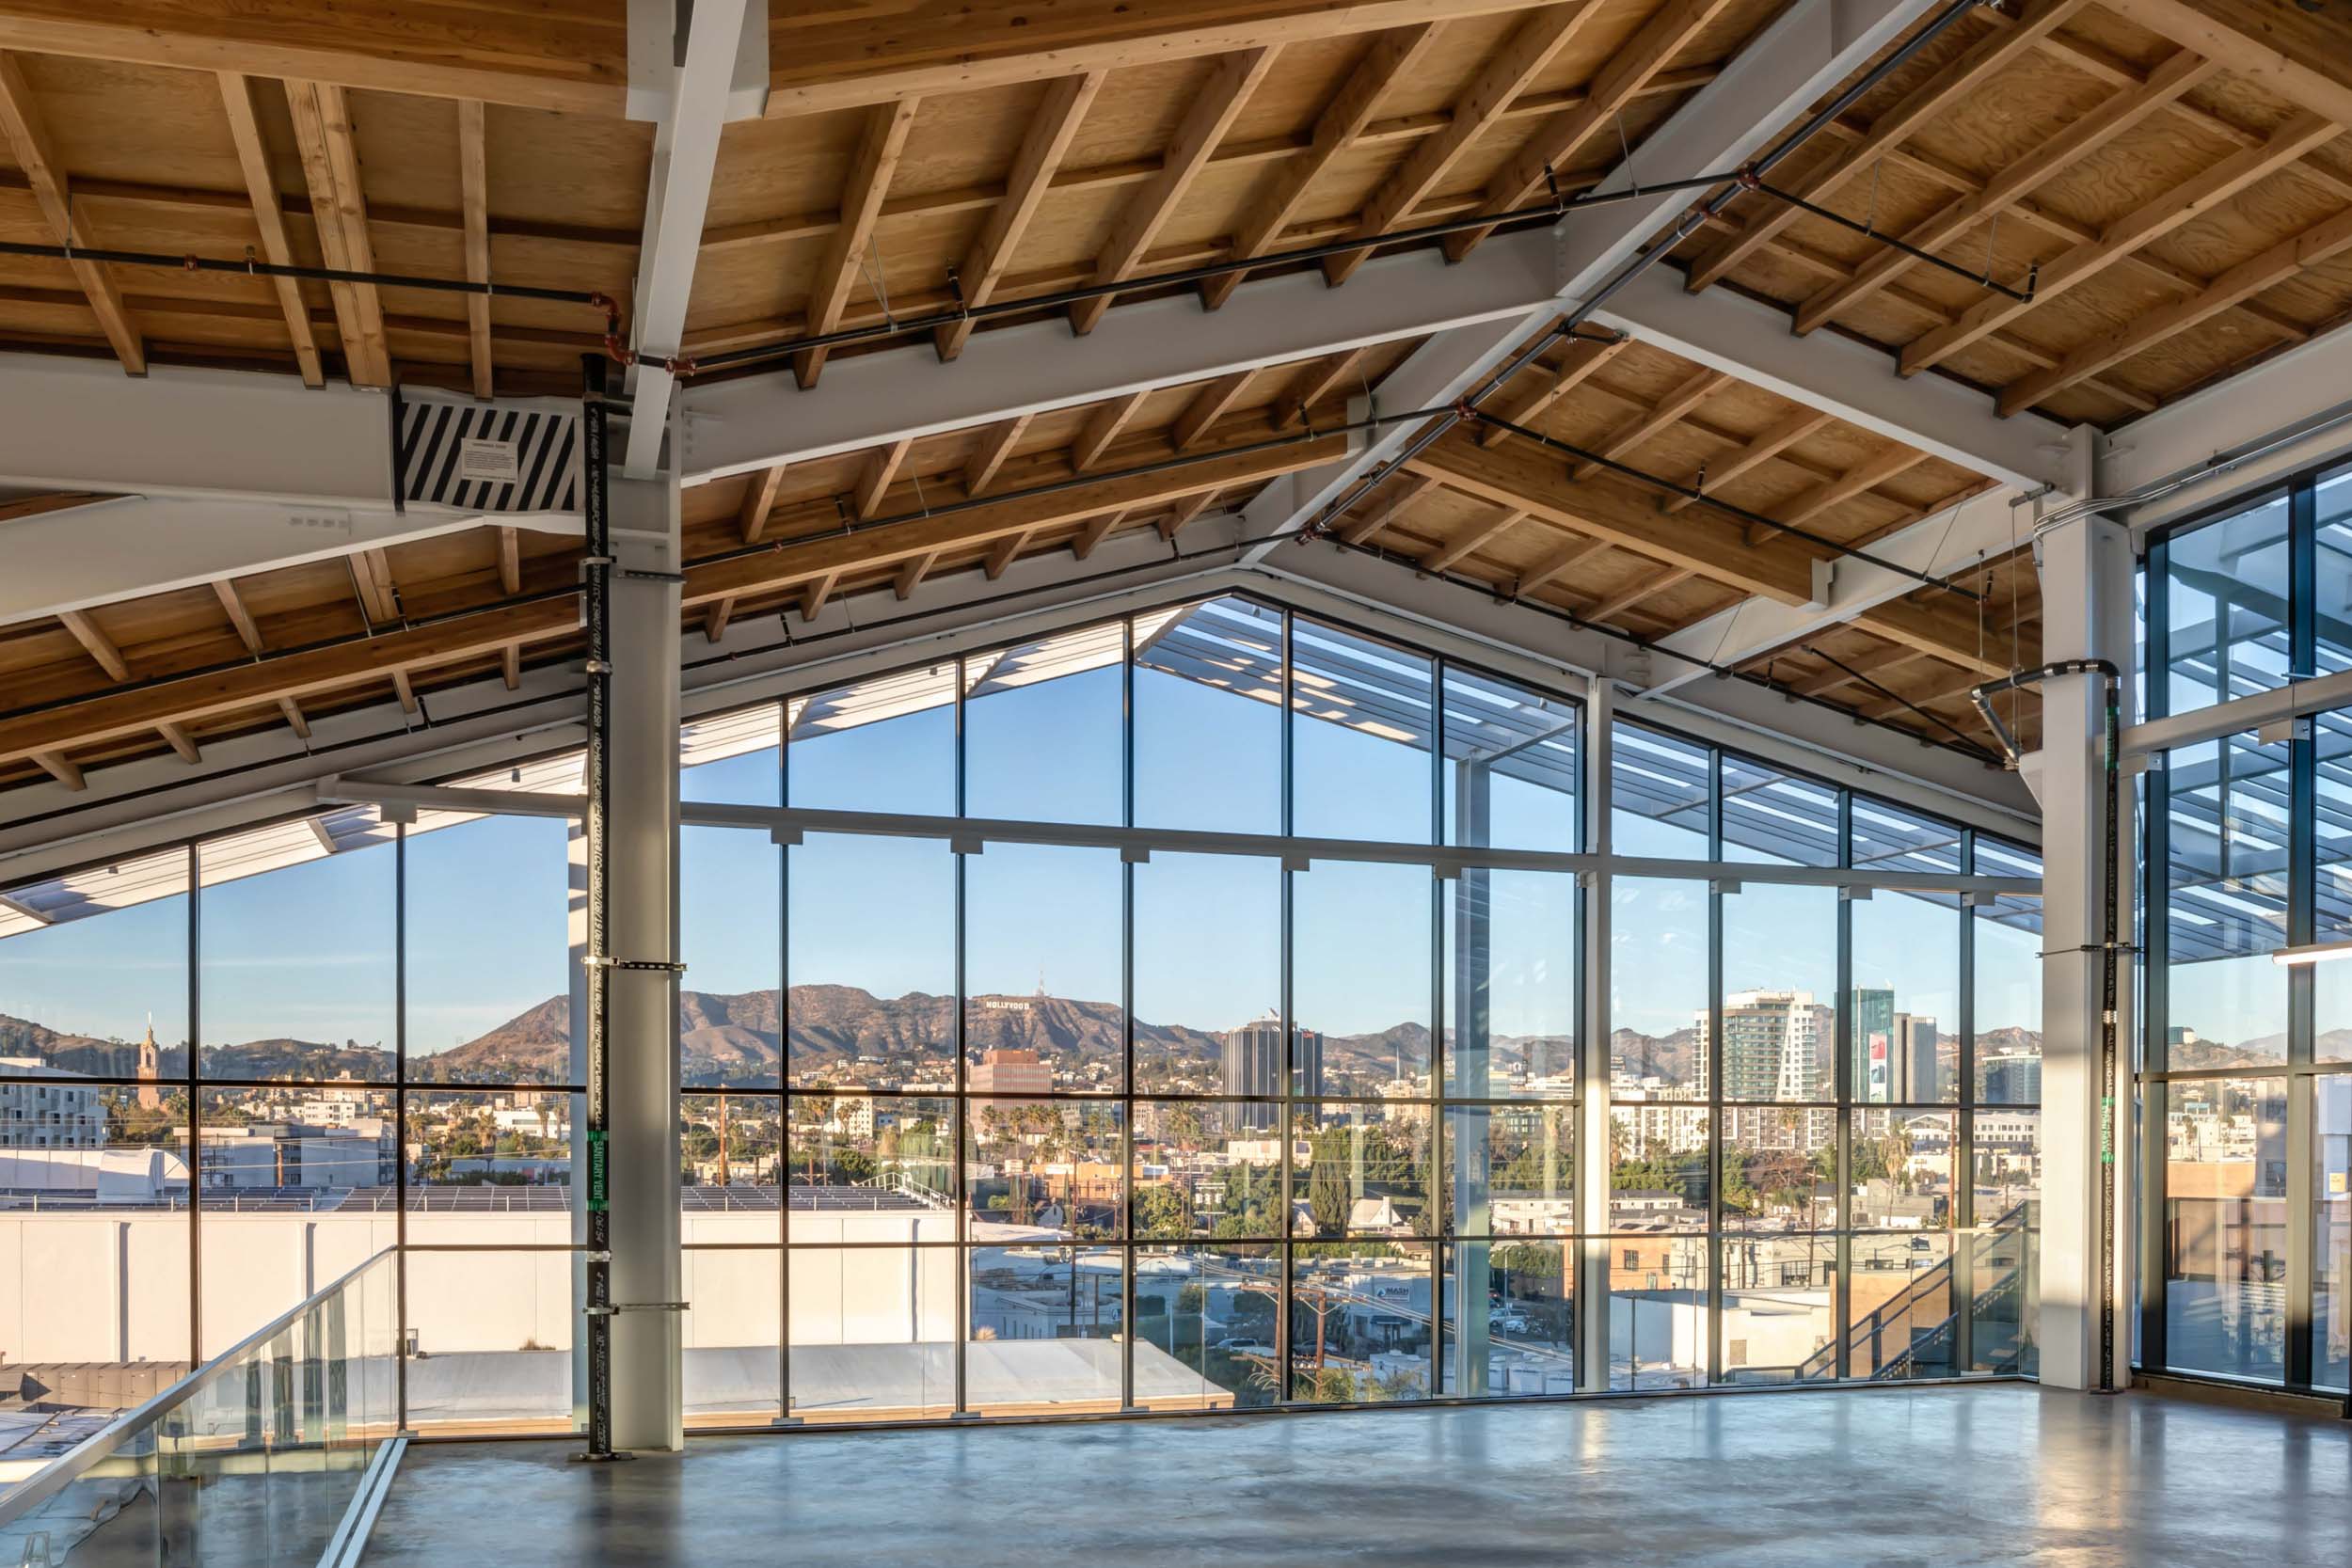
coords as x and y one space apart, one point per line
2002 1474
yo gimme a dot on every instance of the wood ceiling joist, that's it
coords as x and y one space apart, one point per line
1981 61
1555 144
2197 195
96 643
815 592
911 572
474 169
1051 128
1499 84
27 137
1213 109
177 738
1867 475
1207 406
880 148
759 498
1377 517
1187 508
995 444
874 480
1315 384
1889 660
1574 552
2320 243
57 766
1471 540
269 218
1095 531
330 166
1644 587
509 545
371 580
1767 444
241 618
1687 395
1584 357
1103 427
2302 54
2119 114
568 59
1392 54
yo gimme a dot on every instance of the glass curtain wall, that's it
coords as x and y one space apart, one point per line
1051 1128
2246 1080
1823 1106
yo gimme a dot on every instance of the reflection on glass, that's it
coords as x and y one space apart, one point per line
1365 1171
1047 1328
1511 1170
1360 1326
1658 1282
1780 981
489 1340
1042 729
1208 975
1205 1326
1776 817
1658 1002
2225 1151
1042 970
1659 788
1510 1319
1208 1168
489 953
2332 1225
871 1332
1359 979
1999 1261
2227 898
869 1168
95 964
731 1332
871 963
1510 984
730 934
1901 1306
1901 1165
2227 633
1208 718
1511 761
2007 1017
1361 719
1905 1007
1888 838
885 744
1779 1251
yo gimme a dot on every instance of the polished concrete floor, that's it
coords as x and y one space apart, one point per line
1941 1477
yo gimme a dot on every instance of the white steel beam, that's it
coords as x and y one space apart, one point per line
2303 395
1838 375
1949 541
737 426
700 100
1812 46
127 545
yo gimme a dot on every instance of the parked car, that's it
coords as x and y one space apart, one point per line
1244 1345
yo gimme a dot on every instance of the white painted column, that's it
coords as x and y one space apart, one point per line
1591 1164
2086 572
647 1386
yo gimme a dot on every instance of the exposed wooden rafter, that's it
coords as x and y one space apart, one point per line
1051 128
27 137
878 153
269 219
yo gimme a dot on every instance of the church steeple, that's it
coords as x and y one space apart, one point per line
150 1068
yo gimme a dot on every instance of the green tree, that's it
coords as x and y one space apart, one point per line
1329 1197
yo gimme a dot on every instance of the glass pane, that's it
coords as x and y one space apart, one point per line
872 962
2228 584
2000 1260
297 951
1779 1255
1208 962
2225 1143
1208 1168
731 935
2331 883
2227 882
731 758
733 1364
1510 1319
95 964
2008 1004
1780 977
1043 970
1510 984
729 1151
1039 1169
1657 1167
1888 838
1365 1171
1658 1002
886 744
489 952
1513 1169
1659 788
869 1168
473 1151
1906 1000
1511 763
2331 1227
1901 1164
1360 737
1208 724
1042 729
1900 1305
1658 1284
1778 817
489 1340
1360 978
1047 1330
2334 570
872 1331
1205 1326
1360 1322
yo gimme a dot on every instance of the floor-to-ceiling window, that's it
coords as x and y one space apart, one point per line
2246 1073
1203 1026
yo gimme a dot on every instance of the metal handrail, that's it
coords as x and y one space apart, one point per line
78 1461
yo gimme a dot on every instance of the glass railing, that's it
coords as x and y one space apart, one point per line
270 1454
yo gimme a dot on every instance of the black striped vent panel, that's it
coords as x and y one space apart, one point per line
484 458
